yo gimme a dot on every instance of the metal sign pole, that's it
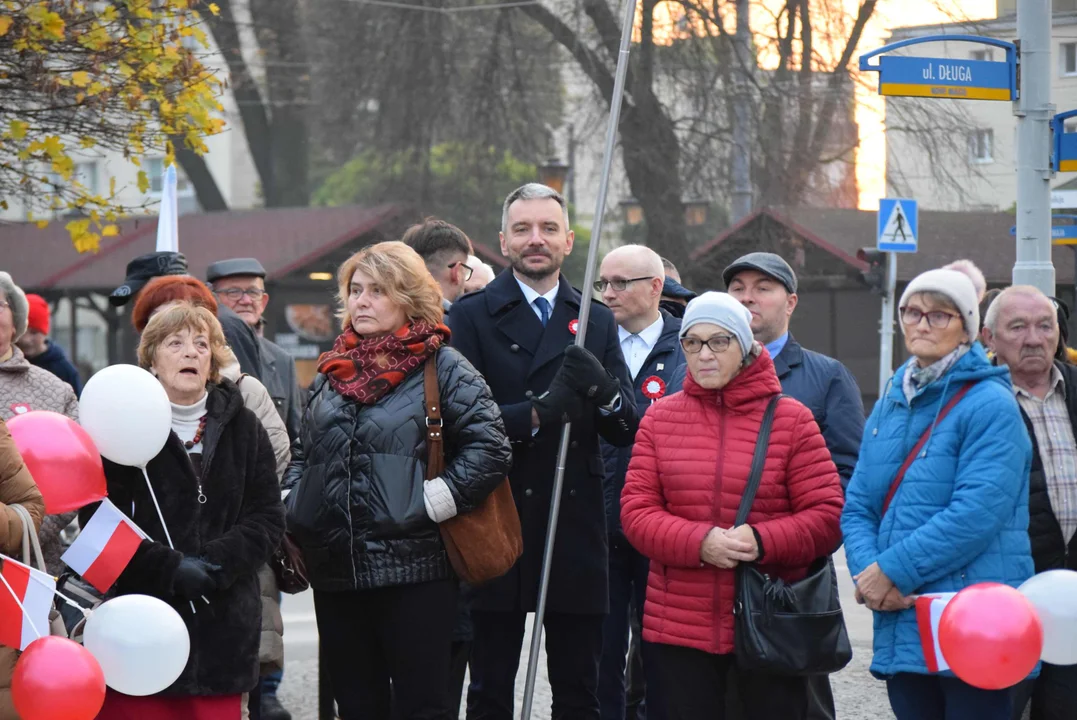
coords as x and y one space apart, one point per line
585 313
886 324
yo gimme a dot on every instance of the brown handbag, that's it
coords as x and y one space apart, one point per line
485 543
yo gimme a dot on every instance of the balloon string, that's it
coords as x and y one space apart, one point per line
161 517
19 603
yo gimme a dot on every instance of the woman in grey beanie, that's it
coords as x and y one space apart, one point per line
690 465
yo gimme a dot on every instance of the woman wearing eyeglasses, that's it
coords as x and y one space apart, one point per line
689 468
959 514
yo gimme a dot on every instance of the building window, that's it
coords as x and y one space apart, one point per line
980 55
86 175
156 170
1068 59
981 146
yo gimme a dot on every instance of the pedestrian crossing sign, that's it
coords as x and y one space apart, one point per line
898 225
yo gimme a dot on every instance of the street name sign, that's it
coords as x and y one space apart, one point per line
954 78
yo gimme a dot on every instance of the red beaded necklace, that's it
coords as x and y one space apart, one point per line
197 434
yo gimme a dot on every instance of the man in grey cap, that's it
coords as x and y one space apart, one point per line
239 285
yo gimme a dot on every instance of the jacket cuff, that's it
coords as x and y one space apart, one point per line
906 580
438 499
758 543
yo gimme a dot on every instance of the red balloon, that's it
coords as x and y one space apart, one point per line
991 636
62 458
57 679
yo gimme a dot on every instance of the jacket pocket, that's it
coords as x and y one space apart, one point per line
305 502
396 497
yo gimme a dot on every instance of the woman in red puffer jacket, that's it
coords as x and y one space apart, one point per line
689 468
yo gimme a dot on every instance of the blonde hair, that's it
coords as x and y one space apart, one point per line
402 276
185 316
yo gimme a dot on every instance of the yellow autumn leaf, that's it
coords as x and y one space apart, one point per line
17 129
213 8
5 24
42 224
80 78
90 242
110 231
87 142
143 181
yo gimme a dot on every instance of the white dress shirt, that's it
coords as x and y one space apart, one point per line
530 294
637 347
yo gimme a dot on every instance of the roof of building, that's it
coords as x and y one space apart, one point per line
283 239
944 237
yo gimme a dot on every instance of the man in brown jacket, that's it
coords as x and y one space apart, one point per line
16 488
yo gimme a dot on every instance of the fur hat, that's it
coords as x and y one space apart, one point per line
16 298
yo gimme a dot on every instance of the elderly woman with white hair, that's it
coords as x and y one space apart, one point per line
25 387
958 515
690 467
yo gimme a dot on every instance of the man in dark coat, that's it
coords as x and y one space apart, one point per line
239 285
519 331
240 337
631 282
1022 330
766 285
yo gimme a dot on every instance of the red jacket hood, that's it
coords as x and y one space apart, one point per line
756 381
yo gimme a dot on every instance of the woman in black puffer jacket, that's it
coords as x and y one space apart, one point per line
361 509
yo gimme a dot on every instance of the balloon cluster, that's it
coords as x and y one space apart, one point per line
992 636
135 644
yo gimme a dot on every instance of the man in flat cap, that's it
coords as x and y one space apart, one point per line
239 284
241 338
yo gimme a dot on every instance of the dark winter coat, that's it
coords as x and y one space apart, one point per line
54 359
1049 549
238 528
830 392
357 506
665 359
499 332
243 341
279 377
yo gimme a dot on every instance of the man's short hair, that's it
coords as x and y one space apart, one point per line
533 191
435 240
991 319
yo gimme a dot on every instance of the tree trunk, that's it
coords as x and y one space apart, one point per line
194 166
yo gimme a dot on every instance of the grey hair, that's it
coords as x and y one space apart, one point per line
533 191
16 299
995 309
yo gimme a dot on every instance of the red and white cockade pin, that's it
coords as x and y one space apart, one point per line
653 388
20 408
573 326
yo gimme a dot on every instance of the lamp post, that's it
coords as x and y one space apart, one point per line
633 212
553 173
695 212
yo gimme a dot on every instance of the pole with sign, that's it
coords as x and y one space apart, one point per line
898 226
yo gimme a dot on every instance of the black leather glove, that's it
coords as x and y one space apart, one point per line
584 373
194 578
560 404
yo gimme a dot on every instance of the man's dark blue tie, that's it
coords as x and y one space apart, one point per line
543 306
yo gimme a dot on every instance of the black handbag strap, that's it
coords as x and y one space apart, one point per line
762 442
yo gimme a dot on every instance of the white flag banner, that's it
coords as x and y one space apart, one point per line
928 614
168 214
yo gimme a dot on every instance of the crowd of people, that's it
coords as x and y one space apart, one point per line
705 440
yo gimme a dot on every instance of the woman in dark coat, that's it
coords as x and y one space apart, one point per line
217 486
363 512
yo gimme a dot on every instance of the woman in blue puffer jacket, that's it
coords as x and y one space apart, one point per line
959 516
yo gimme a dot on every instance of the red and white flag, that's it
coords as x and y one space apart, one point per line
928 614
104 547
34 589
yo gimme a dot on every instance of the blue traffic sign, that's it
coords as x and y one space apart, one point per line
953 78
1064 151
1064 234
898 225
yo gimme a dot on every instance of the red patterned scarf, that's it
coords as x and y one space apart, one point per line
365 369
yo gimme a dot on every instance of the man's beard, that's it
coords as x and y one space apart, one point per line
534 274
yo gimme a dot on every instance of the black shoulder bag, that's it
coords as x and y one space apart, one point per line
786 629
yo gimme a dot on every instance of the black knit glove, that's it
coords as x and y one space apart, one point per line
584 374
560 404
194 578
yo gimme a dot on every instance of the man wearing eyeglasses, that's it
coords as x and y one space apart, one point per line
445 250
766 285
630 280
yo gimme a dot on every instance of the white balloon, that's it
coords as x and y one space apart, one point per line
140 642
126 411
1054 595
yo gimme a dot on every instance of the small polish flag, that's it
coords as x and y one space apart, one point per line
34 590
928 613
104 547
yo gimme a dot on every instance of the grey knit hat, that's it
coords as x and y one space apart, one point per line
721 309
16 298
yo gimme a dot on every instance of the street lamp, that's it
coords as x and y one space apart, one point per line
553 173
633 212
695 212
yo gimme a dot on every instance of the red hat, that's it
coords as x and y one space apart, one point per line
39 315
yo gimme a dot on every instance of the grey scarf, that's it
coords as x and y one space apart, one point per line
917 378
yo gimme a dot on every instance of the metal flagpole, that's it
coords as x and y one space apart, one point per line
581 335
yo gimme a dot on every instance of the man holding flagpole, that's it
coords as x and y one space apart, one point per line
518 332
